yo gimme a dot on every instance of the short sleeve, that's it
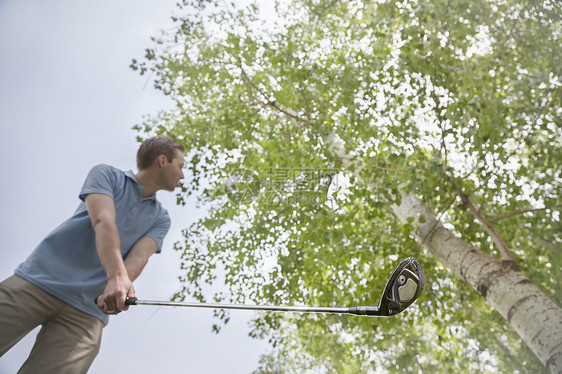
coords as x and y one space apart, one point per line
101 179
159 230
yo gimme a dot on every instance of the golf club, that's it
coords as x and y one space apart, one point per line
402 288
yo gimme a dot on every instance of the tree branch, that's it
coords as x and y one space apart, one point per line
488 227
440 118
508 353
523 212
271 103
549 245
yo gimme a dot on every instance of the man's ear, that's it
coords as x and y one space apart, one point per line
162 160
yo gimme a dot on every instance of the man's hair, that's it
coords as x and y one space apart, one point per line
151 148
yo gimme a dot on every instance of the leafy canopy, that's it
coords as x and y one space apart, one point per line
439 98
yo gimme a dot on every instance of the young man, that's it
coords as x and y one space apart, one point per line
96 253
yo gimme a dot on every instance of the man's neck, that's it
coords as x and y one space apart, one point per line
149 186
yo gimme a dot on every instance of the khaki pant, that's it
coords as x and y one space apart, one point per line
69 339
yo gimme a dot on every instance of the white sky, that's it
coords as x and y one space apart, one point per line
68 101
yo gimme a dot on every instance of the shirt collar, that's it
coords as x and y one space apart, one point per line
131 175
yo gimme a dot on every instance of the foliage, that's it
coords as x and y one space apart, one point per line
441 98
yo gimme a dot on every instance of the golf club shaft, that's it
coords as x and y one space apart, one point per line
361 310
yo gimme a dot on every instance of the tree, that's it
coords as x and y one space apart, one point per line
334 139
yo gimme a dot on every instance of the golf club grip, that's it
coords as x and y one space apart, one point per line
130 301
127 301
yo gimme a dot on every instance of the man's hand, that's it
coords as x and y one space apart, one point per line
119 287
113 299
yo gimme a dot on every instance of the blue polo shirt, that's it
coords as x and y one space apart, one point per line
66 263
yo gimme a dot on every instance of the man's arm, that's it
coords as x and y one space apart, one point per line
139 255
102 214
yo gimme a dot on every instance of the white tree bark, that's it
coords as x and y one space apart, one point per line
534 316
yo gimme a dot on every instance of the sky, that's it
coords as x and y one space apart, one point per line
68 100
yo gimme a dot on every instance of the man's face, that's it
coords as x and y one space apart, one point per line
173 171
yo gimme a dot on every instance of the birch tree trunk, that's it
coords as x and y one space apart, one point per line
534 316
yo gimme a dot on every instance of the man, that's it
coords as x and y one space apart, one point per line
96 253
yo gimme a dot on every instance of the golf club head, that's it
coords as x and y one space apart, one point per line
404 286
